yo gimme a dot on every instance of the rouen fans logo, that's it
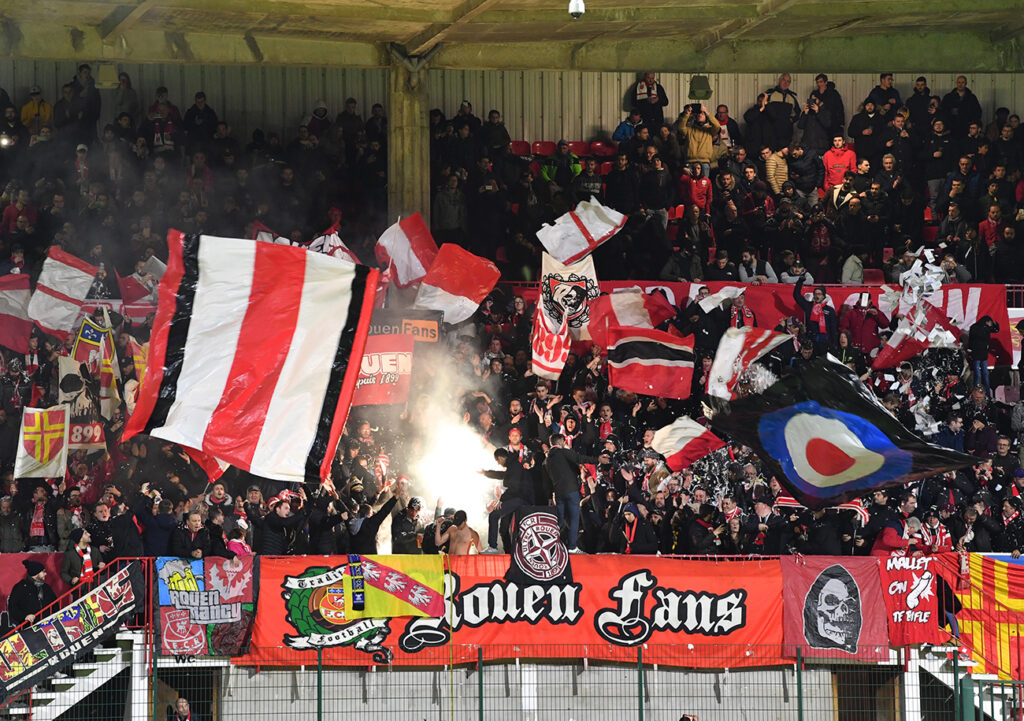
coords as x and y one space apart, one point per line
568 295
539 552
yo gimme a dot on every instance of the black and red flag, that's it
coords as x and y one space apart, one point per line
650 362
827 438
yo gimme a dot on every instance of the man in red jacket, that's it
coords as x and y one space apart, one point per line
837 160
863 320
991 229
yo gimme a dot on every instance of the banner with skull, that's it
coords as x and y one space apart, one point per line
834 610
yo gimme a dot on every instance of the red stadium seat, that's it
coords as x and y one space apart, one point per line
535 169
520 148
579 148
606 167
601 149
544 148
928 217
929 233
873 276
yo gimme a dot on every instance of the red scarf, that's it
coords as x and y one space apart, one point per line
606 429
629 531
1008 521
741 317
818 316
86 556
937 537
729 515
38 527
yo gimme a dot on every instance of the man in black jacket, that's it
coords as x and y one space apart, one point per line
978 340
514 481
30 595
191 539
563 469
404 528
364 536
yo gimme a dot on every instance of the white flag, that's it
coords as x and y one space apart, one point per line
566 291
43 443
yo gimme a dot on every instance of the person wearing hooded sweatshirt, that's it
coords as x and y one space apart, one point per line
30 595
318 121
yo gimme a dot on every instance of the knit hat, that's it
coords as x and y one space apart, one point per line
563 142
631 508
76 536
33 568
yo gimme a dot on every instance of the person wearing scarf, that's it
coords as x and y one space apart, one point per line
763 528
182 711
82 560
634 533
937 538
740 316
819 317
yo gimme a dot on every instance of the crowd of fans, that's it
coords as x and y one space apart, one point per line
779 197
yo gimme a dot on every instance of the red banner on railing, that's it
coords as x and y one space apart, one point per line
609 606
964 304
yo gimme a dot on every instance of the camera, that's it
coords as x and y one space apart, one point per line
576 9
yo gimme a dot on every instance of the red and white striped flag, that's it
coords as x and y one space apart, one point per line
738 348
632 308
684 442
409 248
784 500
60 292
15 324
456 283
550 346
576 234
250 354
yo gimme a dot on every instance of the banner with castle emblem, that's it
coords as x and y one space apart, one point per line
206 606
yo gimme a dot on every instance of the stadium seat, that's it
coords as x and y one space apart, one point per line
535 169
929 233
928 217
520 148
601 149
544 148
606 167
873 276
579 148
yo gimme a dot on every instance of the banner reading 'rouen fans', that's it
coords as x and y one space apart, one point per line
964 304
611 605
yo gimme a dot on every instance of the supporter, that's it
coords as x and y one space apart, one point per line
838 160
729 134
699 129
817 124
81 560
625 130
782 108
866 131
649 97
819 317
886 97
30 595
961 106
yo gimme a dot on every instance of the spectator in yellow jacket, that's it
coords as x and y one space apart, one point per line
36 112
700 133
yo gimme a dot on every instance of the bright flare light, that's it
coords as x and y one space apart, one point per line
449 468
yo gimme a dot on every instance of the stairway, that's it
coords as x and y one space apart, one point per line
50 699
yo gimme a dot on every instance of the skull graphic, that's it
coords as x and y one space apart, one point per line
832 613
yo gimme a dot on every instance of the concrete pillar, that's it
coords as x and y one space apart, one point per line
408 141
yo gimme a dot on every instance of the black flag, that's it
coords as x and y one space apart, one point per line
828 439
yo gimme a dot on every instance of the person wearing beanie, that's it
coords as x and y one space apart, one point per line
30 595
633 533
82 560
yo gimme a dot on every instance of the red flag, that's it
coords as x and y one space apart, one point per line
456 283
650 362
684 442
911 600
132 291
60 291
739 348
550 346
409 247
632 308
15 325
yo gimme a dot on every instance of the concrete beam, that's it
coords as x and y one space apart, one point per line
733 31
559 14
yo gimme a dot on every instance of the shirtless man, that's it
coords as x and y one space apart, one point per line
461 537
